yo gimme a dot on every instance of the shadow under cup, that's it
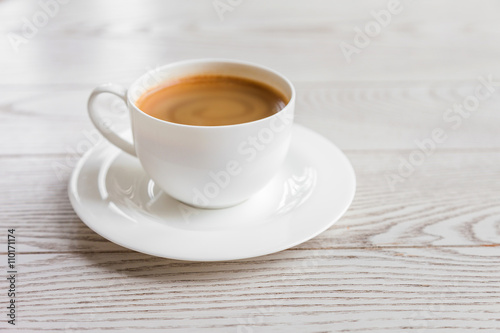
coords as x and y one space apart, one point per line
211 166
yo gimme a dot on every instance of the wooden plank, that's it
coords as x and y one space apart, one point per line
355 115
450 200
91 42
348 290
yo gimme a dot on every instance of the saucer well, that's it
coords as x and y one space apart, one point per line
113 196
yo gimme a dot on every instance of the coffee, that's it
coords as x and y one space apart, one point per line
212 100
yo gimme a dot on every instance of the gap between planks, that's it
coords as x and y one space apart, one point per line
293 249
349 151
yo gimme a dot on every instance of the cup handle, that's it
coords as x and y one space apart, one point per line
99 122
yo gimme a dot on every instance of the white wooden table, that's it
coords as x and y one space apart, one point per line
417 251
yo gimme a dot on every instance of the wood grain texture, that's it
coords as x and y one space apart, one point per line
420 254
334 290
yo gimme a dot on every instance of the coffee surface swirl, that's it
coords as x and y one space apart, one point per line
212 101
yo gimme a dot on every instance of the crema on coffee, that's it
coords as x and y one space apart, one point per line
212 100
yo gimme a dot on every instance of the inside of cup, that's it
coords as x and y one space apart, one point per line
176 71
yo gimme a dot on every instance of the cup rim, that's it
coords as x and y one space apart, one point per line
213 60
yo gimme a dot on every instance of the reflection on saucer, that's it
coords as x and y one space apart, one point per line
126 189
296 190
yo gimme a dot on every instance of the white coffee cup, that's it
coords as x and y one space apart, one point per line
204 166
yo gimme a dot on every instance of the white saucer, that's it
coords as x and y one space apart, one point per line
113 195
